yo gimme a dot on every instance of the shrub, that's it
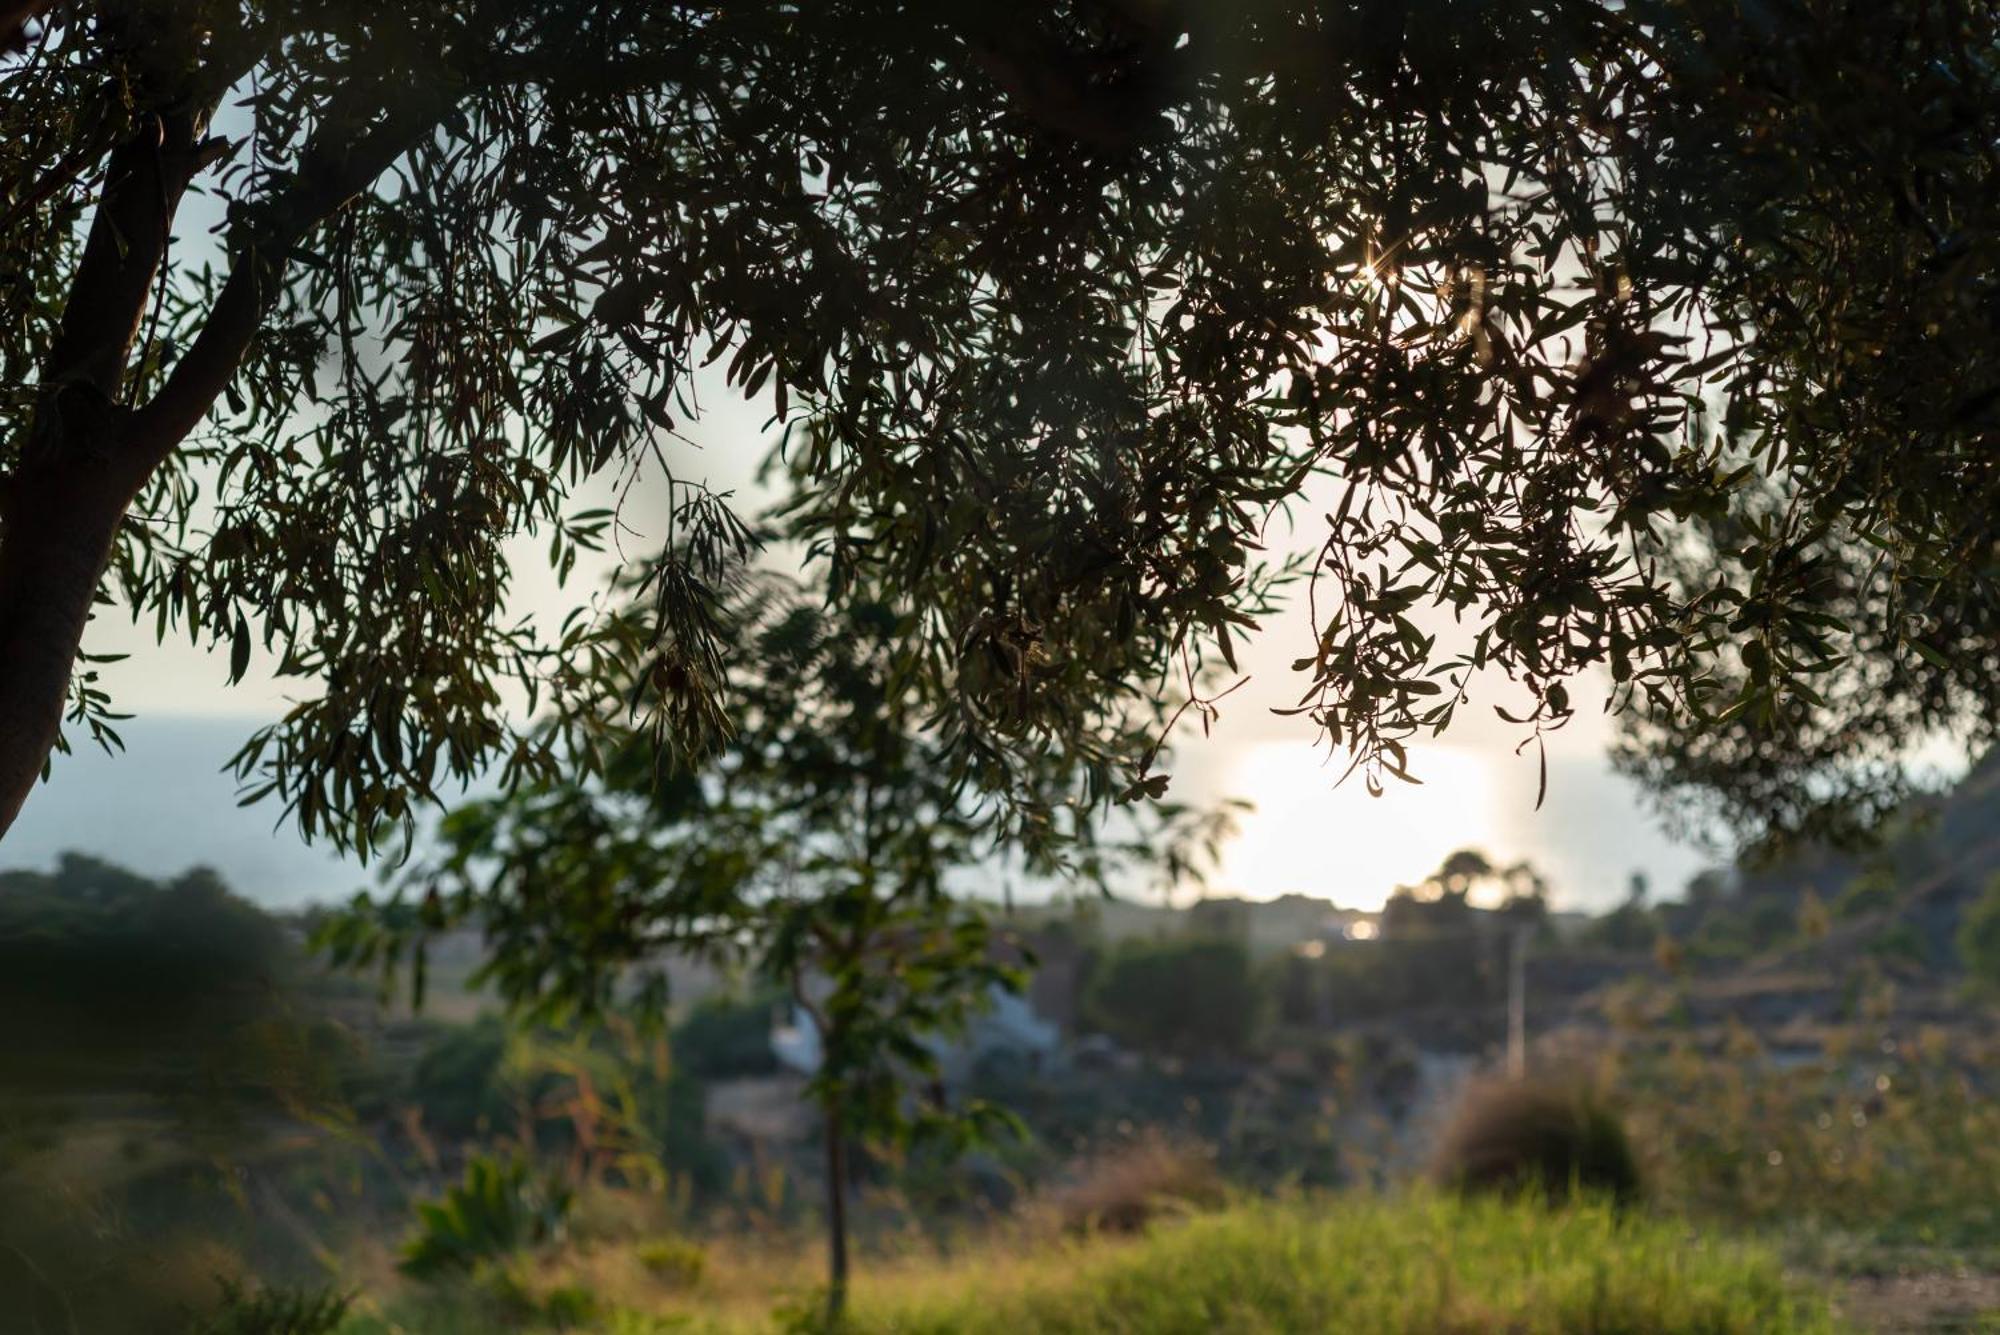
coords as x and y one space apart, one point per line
1552 1140
674 1261
499 1209
1901 941
273 1311
1124 1189
570 1305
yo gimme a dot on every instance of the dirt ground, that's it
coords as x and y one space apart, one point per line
1906 1304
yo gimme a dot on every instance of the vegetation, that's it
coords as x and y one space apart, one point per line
1590 271
1888 1140
498 1210
1979 937
118 955
814 852
1651 339
1868 1154
1193 996
726 1036
1540 1139
1397 1266
1129 1187
1365 1266
275 1312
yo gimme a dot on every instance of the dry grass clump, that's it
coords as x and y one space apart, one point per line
676 1262
1552 1139
1127 1187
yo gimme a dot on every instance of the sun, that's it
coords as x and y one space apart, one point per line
1309 836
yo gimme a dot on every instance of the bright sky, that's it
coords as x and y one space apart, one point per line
165 806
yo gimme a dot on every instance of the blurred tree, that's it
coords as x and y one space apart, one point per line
1655 336
1188 996
1632 926
1629 927
111 977
726 1037
1708 887
1428 910
1441 904
1461 871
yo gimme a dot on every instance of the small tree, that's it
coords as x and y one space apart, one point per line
816 849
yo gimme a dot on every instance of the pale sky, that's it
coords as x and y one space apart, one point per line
165 805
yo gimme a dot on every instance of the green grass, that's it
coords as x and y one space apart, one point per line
1359 1265
1367 1267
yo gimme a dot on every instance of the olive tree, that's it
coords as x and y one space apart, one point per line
1653 338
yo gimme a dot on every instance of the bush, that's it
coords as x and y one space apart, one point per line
499 1209
1870 892
1551 1140
274 1311
1630 927
674 1261
569 1305
1891 1136
1124 1189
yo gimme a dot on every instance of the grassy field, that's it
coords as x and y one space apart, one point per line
1367 1266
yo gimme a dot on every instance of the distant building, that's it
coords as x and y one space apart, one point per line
1009 1026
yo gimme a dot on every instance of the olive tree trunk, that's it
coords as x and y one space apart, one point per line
836 1220
86 452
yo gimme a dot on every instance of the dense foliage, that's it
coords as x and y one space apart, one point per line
1653 336
107 977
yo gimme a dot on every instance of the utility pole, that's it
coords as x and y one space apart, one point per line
1517 1005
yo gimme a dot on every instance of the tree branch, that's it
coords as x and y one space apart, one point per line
55 178
1107 100
15 15
330 175
144 179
